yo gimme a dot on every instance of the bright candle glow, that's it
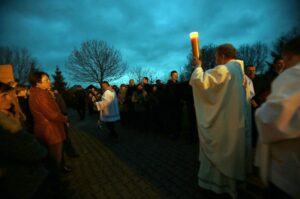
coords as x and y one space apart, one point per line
195 44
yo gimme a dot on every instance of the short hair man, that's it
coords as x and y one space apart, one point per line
174 105
220 103
250 71
109 108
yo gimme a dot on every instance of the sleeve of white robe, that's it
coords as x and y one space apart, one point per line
106 100
210 78
279 117
250 87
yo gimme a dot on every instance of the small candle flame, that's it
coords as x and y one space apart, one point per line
194 35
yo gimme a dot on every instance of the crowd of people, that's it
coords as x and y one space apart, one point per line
241 120
143 106
32 140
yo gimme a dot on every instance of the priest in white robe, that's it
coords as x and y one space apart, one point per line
109 108
221 110
278 124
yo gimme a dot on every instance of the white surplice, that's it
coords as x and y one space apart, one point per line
221 110
278 124
108 106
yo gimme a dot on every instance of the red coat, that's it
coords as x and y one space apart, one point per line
48 119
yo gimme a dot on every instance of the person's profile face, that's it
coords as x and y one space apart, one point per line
103 86
279 65
22 92
123 88
145 81
131 82
250 72
287 60
5 101
174 76
45 83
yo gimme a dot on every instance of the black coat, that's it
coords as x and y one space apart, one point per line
20 164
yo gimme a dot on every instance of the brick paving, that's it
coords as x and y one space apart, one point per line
99 173
137 165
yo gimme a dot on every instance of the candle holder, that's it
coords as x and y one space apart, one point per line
194 36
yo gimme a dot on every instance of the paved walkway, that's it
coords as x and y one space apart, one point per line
138 165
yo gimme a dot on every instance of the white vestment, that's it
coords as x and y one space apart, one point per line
250 86
108 106
221 110
278 124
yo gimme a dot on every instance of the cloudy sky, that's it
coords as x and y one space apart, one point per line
153 34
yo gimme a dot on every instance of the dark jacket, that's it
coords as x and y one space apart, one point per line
21 170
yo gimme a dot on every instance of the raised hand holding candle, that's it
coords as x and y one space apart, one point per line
195 44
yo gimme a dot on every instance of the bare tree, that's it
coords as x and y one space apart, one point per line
255 54
208 56
21 60
95 62
138 73
208 61
280 41
187 69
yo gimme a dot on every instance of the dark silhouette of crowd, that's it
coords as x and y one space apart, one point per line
149 107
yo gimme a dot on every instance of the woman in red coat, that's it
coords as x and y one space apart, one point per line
48 120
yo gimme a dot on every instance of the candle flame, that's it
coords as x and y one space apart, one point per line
194 35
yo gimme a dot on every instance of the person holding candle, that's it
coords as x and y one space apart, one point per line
221 112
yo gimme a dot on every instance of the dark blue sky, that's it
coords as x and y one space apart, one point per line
153 34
